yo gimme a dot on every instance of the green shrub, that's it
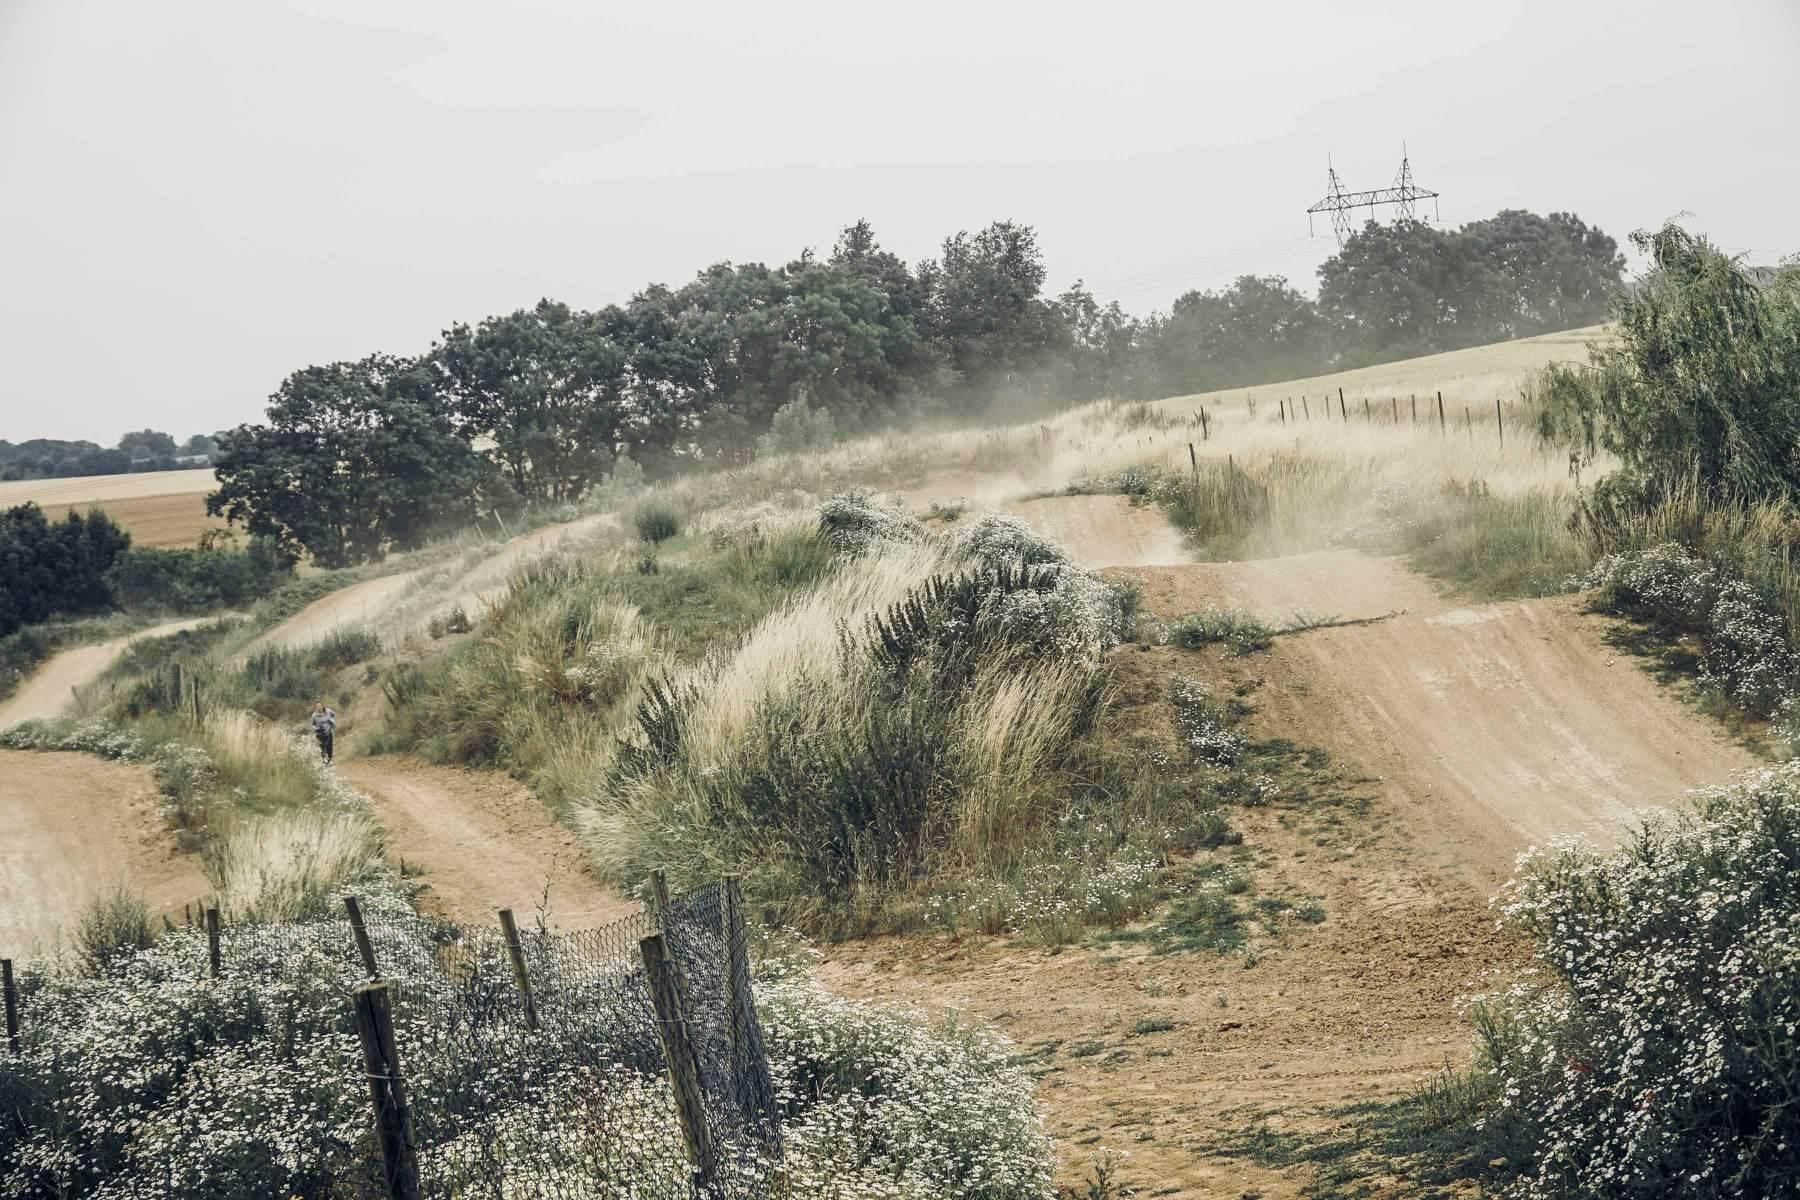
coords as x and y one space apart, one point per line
1233 627
282 674
1656 1054
797 427
112 927
344 648
656 521
196 580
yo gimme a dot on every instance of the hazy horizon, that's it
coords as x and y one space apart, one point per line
201 201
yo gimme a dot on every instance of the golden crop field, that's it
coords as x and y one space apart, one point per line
158 508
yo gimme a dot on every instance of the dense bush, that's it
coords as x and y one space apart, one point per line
47 569
656 521
111 927
855 522
1700 383
1746 656
196 580
153 1080
1656 1053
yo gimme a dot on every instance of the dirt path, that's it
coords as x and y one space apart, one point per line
483 842
1469 733
49 689
74 825
402 604
1494 727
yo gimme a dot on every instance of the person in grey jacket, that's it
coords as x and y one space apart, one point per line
324 721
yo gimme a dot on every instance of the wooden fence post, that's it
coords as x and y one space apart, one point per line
1341 414
1283 411
659 898
212 939
516 952
1499 423
1468 423
1366 416
1440 412
1205 428
678 1051
1307 407
357 930
1194 464
1396 405
1415 404
12 1005
740 1001
387 1090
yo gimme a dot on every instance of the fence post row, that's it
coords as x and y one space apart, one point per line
363 946
387 1091
12 1004
679 1053
212 939
516 952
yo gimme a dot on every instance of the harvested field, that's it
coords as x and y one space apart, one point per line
158 508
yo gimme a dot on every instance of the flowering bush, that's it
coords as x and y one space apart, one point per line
93 736
1657 1052
1747 655
1203 724
1079 613
154 1080
854 521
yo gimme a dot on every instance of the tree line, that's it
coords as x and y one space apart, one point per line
142 450
534 407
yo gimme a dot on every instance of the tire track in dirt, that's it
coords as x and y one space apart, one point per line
483 842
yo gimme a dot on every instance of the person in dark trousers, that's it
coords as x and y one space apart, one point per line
324 725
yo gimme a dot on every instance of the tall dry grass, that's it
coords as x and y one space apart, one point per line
287 865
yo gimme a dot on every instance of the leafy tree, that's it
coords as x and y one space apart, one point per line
148 443
984 313
357 459
546 386
1555 272
797 426
200 443
1701 383
1258 329
49 569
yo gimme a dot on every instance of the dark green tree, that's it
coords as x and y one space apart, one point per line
148 443
984 313
51 569
356 459
545 386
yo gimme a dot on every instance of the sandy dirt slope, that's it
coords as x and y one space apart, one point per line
48 690
1104 531
401 604
483 841
1496 726
74 825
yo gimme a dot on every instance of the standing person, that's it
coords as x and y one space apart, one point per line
324 721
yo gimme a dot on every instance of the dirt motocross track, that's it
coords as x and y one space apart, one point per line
1474 731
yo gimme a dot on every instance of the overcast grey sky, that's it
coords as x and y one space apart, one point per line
198 197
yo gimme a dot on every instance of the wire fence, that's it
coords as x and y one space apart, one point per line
511 1061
